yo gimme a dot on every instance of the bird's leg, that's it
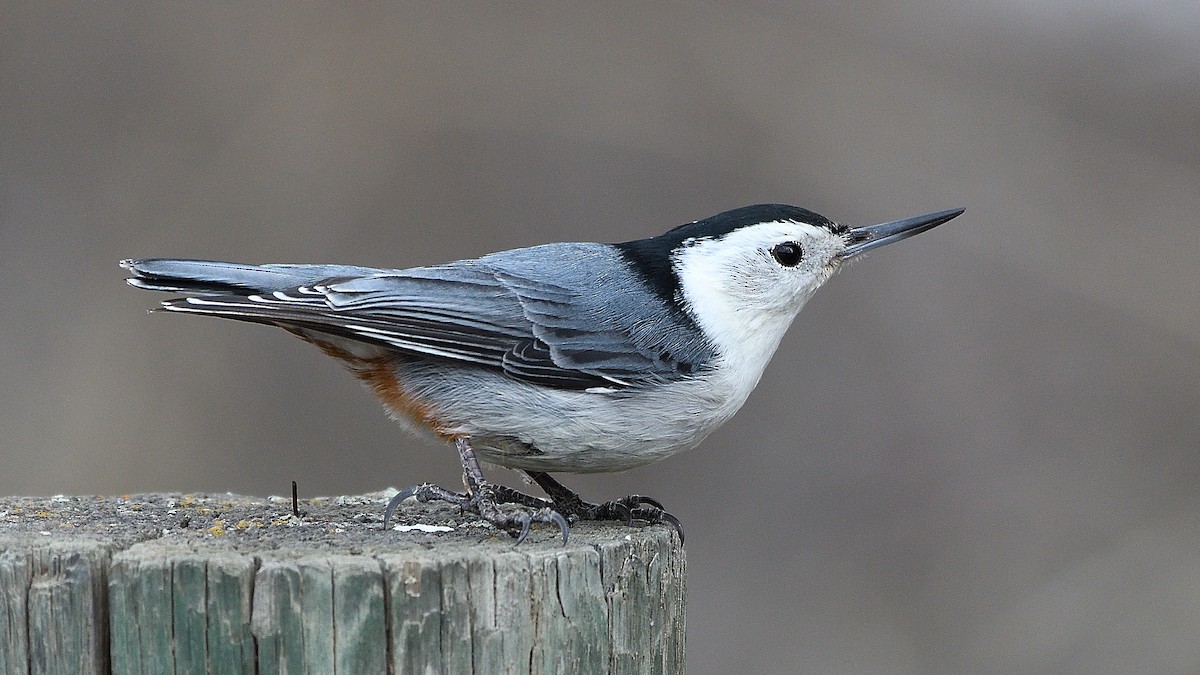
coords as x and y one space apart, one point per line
628 509
501 506
507 495
487 499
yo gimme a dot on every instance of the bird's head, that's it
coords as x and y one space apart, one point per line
744 274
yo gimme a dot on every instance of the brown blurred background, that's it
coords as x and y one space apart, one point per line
976 452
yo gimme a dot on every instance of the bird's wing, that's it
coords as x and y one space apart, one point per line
517 312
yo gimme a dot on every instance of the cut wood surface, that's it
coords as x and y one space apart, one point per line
177 583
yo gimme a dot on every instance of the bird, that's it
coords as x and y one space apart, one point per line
573 357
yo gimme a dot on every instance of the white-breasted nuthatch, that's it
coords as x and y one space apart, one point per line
567 357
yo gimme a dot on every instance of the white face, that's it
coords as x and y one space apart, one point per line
745 288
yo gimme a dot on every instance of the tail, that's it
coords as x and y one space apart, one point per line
210 277
280 295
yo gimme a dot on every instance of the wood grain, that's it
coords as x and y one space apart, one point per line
224 583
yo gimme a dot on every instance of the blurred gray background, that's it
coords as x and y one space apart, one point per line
977 451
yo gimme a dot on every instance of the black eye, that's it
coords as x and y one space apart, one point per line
789 254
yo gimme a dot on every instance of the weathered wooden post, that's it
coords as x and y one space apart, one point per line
223 583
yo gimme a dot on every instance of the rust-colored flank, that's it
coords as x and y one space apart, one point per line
378 373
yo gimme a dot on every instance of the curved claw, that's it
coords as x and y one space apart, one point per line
558 519
659 517
673 522
552 517
394 502
526 524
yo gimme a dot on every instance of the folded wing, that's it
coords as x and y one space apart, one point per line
539 315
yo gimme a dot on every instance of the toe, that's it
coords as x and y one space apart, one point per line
640 500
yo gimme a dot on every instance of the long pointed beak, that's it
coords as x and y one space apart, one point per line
863 239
